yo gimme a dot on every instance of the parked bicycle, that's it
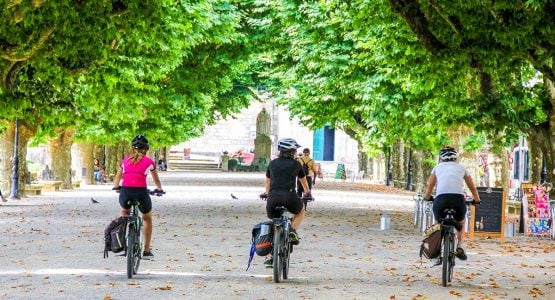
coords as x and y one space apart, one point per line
448 244
133 236
282 244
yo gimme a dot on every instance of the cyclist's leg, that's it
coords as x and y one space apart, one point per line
460 216
147 220
125 207
298 219
438 207
272 202
146 211
296 206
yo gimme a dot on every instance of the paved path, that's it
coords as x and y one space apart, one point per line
51 248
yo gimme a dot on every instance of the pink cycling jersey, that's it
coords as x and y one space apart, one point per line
134 174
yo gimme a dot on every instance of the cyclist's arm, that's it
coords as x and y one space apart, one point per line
304 183
267 185
430 186
156 179
117 179
472 188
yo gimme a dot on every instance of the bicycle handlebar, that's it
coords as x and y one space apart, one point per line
154 192
157 192
467 201
264 197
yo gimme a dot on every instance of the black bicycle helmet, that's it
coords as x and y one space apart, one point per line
448 154
140 142
287 144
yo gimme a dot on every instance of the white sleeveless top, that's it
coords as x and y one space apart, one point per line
450 178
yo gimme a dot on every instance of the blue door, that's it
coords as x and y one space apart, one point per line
329 143
318 144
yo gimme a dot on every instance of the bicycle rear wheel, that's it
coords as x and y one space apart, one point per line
133 251
277 254
286 255
451 256
446 260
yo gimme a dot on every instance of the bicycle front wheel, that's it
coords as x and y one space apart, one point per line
446 259
277 254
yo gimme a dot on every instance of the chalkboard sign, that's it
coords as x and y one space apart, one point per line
340 172
489 215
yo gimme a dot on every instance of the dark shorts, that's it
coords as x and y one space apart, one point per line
454 201
135 193
290 200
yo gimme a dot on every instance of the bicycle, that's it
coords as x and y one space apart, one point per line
448 234
133 237
282 244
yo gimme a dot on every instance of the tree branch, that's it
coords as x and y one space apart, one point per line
410 11
456 27
11 75
12 54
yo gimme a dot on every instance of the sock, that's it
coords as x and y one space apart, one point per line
460 245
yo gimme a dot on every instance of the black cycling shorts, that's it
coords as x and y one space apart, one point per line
445 201
135 193
290 200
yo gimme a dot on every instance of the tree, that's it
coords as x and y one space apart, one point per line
111 69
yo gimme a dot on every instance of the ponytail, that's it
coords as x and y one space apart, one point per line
137 155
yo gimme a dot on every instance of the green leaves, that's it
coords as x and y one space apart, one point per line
112 69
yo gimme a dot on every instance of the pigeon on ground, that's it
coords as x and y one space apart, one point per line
233 197
94 201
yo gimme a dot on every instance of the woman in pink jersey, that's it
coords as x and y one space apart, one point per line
133 170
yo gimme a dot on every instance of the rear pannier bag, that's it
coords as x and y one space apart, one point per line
262 236
431 244
114 236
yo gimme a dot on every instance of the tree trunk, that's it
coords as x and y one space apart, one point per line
535 155
60 149
87 158
399 165
421 171
362 160
25 132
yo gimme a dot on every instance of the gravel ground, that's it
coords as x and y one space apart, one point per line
52 248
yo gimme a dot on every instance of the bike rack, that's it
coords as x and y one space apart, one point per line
423 216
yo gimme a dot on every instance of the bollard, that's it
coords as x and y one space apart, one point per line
385 222
428 216
510 229
416 213
422 216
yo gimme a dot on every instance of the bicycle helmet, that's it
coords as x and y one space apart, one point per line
140 142
448 154
287 144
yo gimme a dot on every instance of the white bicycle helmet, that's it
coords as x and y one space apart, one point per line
287 144
448 154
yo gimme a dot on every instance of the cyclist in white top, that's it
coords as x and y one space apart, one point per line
449 177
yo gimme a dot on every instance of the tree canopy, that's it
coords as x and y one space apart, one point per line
116 68
411 70
382 71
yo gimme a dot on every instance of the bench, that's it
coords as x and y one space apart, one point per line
76 184
51 185
33 189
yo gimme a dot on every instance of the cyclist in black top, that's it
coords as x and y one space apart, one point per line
281 178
